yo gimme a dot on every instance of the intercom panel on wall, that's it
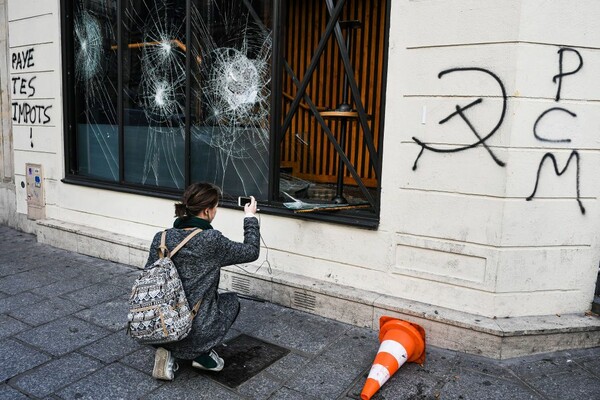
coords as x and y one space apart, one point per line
34 179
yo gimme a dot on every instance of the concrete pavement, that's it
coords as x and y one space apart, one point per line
62 335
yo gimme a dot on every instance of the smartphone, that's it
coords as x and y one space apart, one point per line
242 201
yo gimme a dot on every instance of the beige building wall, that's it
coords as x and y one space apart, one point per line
5 126
457 231
7 186
466 235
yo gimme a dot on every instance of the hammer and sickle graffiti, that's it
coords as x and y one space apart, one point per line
481 140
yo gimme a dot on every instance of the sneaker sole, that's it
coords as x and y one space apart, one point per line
200 366
160 365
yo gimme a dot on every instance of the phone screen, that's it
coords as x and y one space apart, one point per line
242 201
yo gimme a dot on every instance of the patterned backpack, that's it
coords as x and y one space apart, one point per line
158 308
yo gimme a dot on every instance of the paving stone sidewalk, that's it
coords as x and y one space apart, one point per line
62 335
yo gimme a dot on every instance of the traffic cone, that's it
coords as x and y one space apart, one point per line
401 341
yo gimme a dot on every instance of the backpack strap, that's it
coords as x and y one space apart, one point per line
163 250
184 241
195 309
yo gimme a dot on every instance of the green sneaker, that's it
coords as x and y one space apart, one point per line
209 362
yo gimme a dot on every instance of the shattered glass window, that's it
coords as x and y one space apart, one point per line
230 55
231 69
154 80
96 75
280 99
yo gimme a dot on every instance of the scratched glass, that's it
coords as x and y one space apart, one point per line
96 89
154 92
231 78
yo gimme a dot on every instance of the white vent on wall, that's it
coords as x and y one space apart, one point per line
240 284
304 300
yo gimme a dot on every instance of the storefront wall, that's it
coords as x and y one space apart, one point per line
456 231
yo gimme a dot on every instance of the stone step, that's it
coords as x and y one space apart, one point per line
500 338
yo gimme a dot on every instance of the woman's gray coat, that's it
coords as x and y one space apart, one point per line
199 263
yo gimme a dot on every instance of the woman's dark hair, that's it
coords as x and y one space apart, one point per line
196 198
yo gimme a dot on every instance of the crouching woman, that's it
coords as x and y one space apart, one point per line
199 263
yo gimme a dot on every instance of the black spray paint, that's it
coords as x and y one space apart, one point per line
23 111
481 140
30 114
23 59
562 74
572 114
575 155
23 86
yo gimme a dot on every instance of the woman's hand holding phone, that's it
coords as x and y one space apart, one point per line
251 208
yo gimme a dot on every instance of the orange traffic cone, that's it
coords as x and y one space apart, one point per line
401 341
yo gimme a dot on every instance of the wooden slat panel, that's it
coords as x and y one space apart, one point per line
306 22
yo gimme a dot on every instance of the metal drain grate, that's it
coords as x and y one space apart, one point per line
305 300
245 356
240 284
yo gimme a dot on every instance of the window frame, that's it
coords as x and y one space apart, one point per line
346 217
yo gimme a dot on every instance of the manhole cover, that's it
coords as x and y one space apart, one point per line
245 357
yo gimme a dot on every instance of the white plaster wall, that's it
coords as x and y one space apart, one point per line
6 166
34 32
462 219
550 246
457 231
7 185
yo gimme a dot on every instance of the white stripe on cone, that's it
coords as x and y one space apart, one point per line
379 373
396 349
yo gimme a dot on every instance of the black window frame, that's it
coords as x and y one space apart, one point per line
278 67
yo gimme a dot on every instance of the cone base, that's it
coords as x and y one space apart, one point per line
371 386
